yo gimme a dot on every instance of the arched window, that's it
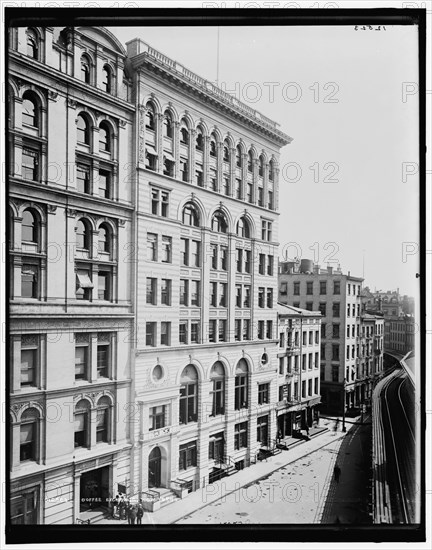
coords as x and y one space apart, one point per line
184 136
213 147
29 227
190 215
150 116
83 130
104 137
85 69
82 235
82 424
32 44
261 166
250 161
199 141
104 239
11 227
107 79
30 110
226 152
217 377
243 228
103 420
29 435
271 170
238 156
188 395
168 125
241 385
219 222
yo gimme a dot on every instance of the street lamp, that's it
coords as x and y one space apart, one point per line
343 406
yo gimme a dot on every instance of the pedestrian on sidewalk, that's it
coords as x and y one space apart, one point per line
139 513
132 515
337 472
307 431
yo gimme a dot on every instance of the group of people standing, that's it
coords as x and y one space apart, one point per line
124 509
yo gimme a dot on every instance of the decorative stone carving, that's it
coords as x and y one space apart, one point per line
52 208
71 103
71 213
52 95
141 137
122 123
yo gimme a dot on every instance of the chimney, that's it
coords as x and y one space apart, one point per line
330 270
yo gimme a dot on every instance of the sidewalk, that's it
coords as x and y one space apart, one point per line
212 493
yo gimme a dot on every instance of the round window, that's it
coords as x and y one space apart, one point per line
157 373
264 358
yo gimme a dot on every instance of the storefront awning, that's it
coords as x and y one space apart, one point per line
84 280
151 151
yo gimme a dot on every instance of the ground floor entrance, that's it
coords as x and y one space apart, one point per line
94 489
154 468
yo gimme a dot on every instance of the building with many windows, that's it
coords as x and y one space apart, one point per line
71 309
299 369
338 297
206 277
143 250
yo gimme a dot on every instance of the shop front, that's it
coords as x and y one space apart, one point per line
94 489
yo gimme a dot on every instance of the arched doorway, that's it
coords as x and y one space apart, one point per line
154 468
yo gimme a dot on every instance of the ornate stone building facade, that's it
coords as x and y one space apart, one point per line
143 244
71 317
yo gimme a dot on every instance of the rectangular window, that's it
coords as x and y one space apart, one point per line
249 190
195 293
297 289
28 441
30 164
151 247
157 417
196 254
262 430
348 331
159 202
222 330
184 251
83 178
29 281
166 292
336 287
261 297
309 306
335 333
237 330
260 196
82 352
247 261
238 295
151 334
195 332
165 335
184 292
104 285
223 294
240 435
214 256
316 385
304 338
266 230
322 308
187 455
310 337
212 330
151 284
246 296
261 264
29 360
310 361
213 294
183 332
246 329
260 330
238 188
303 395
104 184
309 387
269 332
323 287
166 249
263 394
349 310
349 289
270 264
103 355
317 337
309 287
269 297
239 260
335 352
336 309
223 258
304 361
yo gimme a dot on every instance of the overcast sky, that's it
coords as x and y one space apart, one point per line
338 93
